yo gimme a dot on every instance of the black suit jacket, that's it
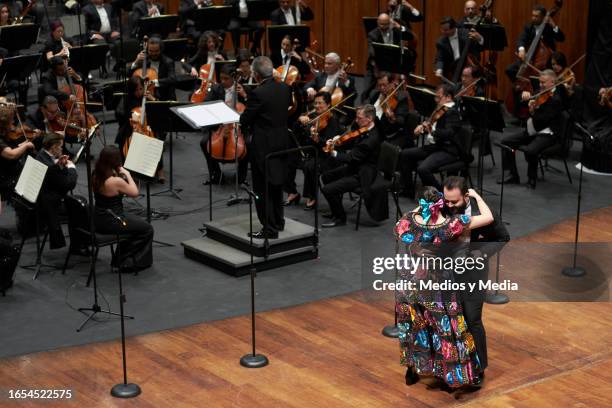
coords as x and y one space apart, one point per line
388 129
139 10
406 16
301 65
444 51
548 115
490 235
376 36
266 116
48 86
166 76
549 37
92 19
447 131
277 17
319 82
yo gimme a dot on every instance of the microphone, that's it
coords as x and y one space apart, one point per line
503 146
249 191
584 131
118 218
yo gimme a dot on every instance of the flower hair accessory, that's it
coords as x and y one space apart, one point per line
430 209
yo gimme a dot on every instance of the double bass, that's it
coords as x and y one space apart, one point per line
227 143
537 57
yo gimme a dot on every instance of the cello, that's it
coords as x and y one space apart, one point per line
227 143
537 57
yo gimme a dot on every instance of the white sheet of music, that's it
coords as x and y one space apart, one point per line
31 179
208 114
144 154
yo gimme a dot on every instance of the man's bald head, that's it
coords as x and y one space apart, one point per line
470 9
384 22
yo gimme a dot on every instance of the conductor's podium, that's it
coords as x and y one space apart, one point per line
226 246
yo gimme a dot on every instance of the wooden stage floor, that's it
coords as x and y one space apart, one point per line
330 354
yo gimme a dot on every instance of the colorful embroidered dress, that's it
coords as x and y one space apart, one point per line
434 338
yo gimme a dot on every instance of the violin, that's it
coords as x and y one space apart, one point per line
59 123
344 139
389 104
222 146
149 75
544 95
17 132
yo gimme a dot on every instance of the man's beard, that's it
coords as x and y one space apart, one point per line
456 210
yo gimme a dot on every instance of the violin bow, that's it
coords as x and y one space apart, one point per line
534 97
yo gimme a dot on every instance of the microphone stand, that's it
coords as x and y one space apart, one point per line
577 271
235 198
252 360
392 331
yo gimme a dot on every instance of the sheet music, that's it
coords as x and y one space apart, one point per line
208 114
144 154
31 179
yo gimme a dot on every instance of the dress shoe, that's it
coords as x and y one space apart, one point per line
327 215
479 381
262 235
510 180
295 200
411 376
335 222
531 183
310 207
212 180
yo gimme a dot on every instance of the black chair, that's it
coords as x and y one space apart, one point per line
387 178
560 150
79 229
462 165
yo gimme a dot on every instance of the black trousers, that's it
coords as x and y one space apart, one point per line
531 145
311 177
214 169
274 207
336 183
472 311
294 162
137 252
237 23
431 158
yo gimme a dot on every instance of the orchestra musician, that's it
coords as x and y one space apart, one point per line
164 66
287 14
558 63
469 74
243 67
357 168
208 51
135 91
287 52
243 21
331 77
57 45
551 36
5 15
60 178
225 91
542 130
451 45
11 153
394 116
143 8
266 117
54 82
188 26
101 23
403 13
442 146
315 133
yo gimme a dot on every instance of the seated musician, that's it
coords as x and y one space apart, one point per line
331 77
394 121
123 112
451 44
227 90
243 67
11 154
141 9
287 14
100 22
441 145
550 37
208 51
5 15
315 133
384 33
164 66
542 131
469 74
403 13
287 53
243 21
188 26
558 63
54 82
57 45
358 169
61 178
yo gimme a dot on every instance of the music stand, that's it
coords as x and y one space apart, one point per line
88 57
20 67
160 119
175 48
494 36
484 114
18 36
259 10
212 18
161 25
393 58
423 98
219 66
369 23
275 34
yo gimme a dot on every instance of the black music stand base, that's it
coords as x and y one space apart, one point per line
95 309
126 390
496 298
573 271
254 361
391 331
236 199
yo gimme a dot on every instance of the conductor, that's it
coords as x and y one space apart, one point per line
265 117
